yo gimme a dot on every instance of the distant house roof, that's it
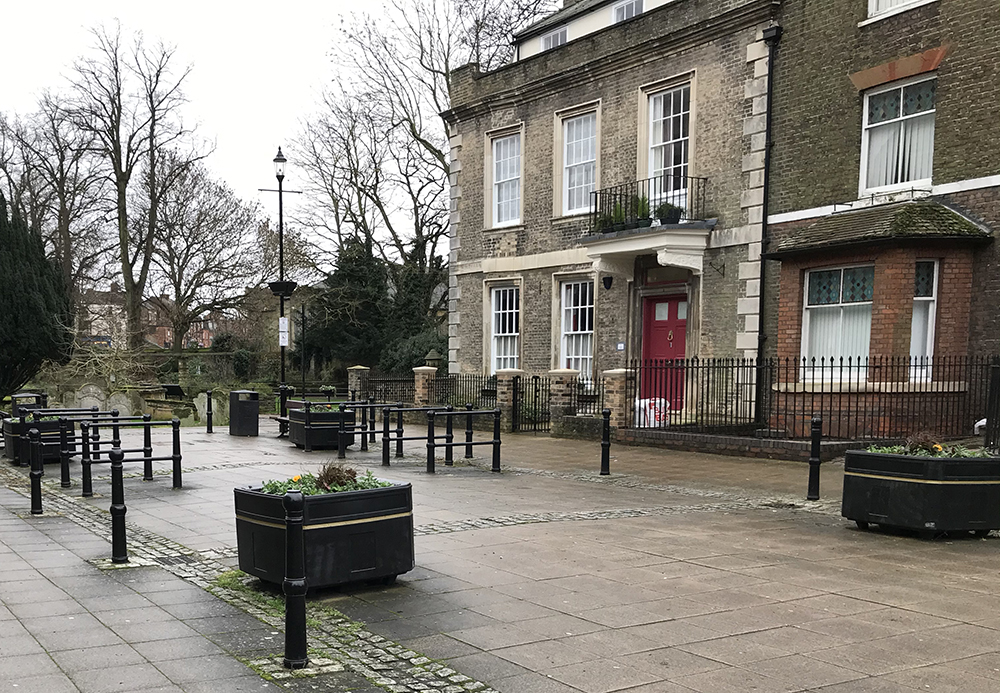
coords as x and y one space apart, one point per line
905 220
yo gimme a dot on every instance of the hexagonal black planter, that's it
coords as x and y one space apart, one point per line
325 435
349 536
927 494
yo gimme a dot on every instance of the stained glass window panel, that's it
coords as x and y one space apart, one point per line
919 97
824 287
883 107
859 284
923 285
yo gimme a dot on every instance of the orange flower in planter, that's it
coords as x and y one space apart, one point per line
937 448
297 477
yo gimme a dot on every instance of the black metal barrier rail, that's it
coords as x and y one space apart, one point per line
90 457
367 427
387 433
449 443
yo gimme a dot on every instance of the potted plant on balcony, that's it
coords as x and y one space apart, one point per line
642 212
923 485
357 527
618 217
631 218
669 213
604 223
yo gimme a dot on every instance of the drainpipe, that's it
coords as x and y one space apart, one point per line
772 35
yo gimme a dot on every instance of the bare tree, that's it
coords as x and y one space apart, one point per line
55 185
128 100
204 256
376 157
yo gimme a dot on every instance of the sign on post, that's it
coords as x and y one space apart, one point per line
283 332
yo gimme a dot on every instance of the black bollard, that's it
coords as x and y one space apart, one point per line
64 481
35 459
449 438
88 483
96 453
147 448
468 432
354 395
22 450
341 433
371 400
606 443
283 409
364 427
175 455
208 412
817 434
430 442
496 440
119 551
399 430
307 426
294 585
386 420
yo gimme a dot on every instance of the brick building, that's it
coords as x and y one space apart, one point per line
607 188
884 181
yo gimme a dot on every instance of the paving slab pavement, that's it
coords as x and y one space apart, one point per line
679 572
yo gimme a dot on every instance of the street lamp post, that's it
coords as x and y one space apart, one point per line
281 288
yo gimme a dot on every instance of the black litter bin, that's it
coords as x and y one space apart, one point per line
244 413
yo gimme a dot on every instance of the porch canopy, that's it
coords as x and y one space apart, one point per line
925 220
615 253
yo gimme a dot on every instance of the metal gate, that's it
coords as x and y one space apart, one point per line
531 404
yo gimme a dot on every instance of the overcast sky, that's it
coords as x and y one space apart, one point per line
257 68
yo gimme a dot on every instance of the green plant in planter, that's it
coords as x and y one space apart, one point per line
328 388
604 223
924 445
618 217
332 478
642 211
668 213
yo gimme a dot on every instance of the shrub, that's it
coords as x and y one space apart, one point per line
242 363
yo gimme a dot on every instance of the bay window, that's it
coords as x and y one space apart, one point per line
924 310
838 313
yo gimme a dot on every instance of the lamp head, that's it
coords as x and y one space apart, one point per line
606 280
279 165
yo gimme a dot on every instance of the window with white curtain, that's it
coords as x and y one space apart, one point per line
924 309
627 10
507 180
838 313
554 39
579 162
669 132
578 326
897 144
506 327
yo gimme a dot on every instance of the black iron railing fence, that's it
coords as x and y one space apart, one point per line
390 387
992 439
459 389
873 398
587 398
667 199
530 405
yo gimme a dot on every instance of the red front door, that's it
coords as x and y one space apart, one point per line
664 328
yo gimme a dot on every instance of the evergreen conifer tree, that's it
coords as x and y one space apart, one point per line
35 313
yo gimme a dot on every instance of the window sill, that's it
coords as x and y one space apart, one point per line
894 11
570 217
501 229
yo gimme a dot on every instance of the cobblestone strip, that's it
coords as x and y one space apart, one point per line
340 641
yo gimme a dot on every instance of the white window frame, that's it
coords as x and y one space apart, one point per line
634 5
554 38
505 327
592 163
808 370
677 197
513 175
863 189
922 370
577 345
896 7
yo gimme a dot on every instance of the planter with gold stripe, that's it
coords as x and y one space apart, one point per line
927 494
349 537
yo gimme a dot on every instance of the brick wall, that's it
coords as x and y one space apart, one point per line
818 111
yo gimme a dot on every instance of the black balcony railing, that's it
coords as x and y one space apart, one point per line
665 199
